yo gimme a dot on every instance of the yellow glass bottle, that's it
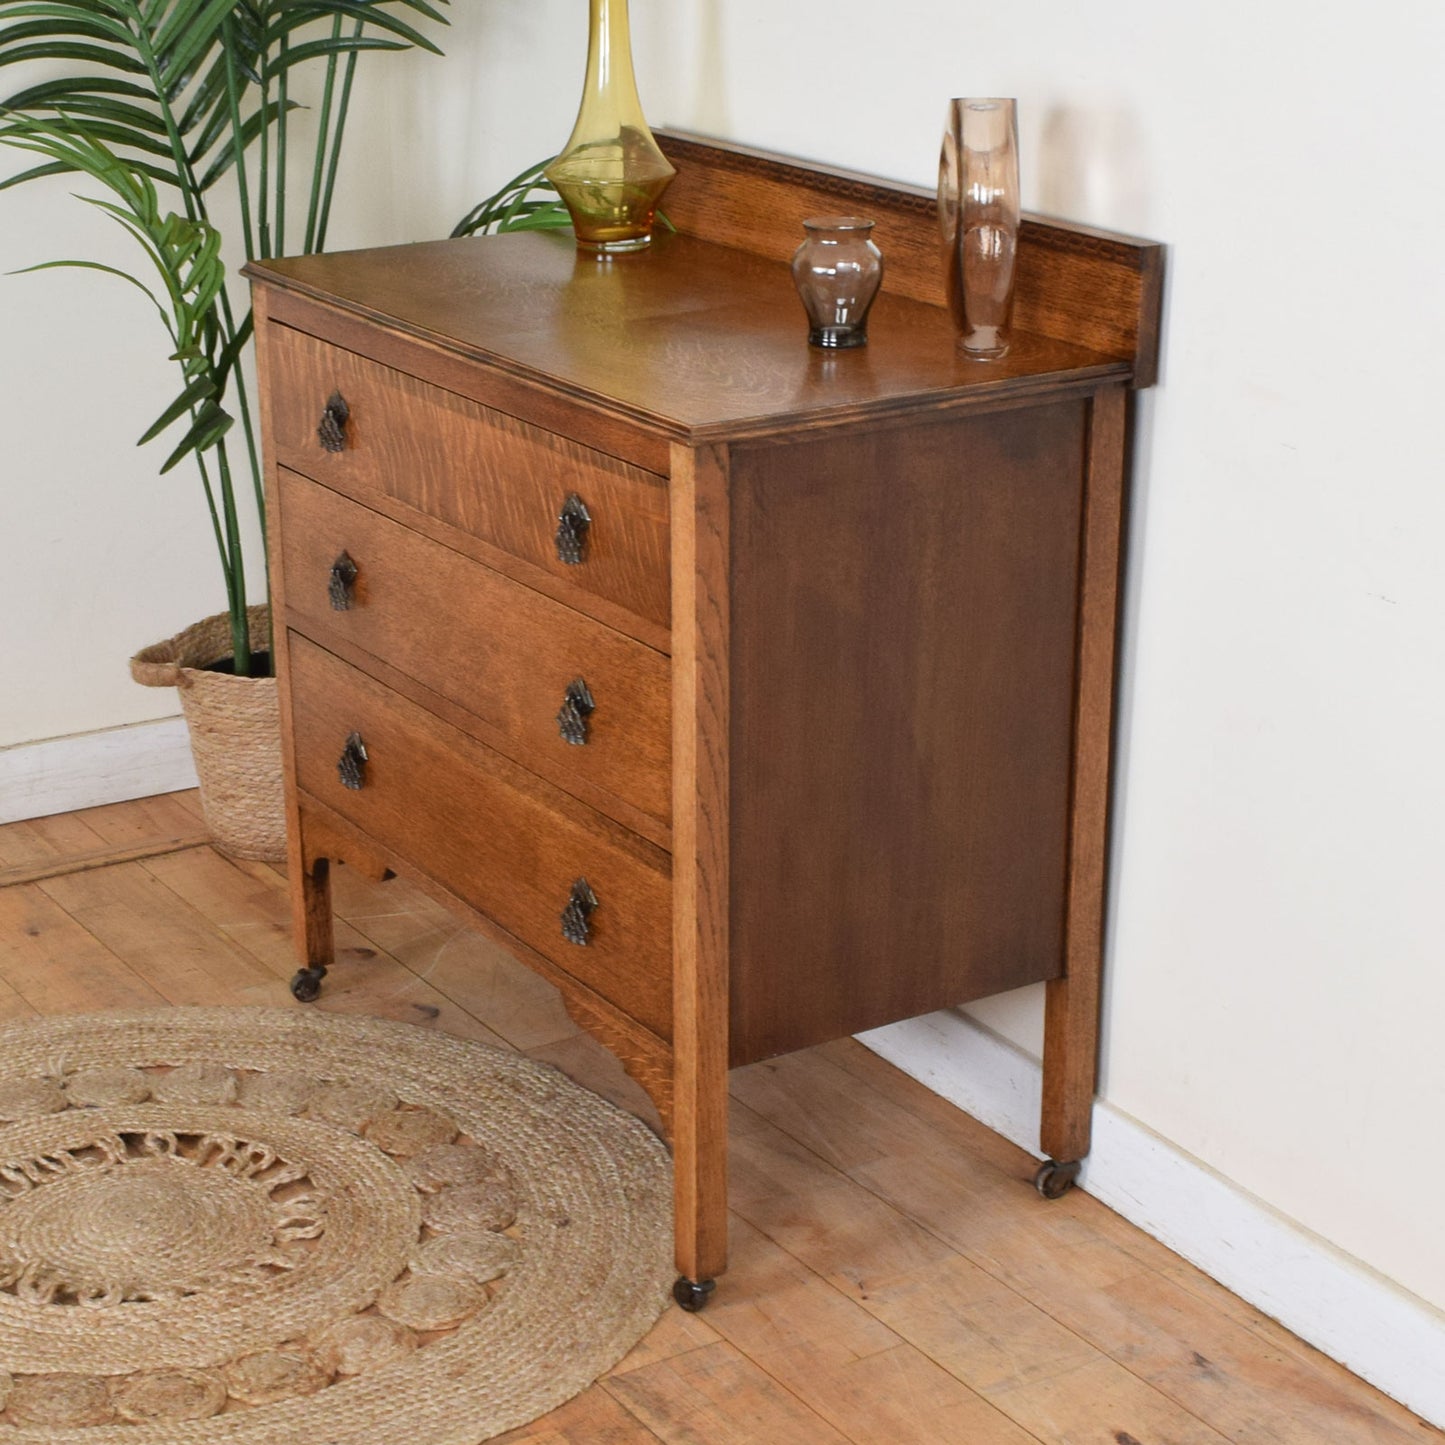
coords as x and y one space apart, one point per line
612 173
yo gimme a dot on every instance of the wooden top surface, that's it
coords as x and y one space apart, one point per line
698 340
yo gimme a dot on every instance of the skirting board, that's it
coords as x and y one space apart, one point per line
1374 1328
88 769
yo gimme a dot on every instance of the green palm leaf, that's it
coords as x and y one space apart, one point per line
67 50
70 89
66 20
528 202
203 388
189 27
169 96
319 49
98 266
106 110
296 17
209 426
225 157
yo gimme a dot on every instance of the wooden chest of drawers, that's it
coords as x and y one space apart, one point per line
754 696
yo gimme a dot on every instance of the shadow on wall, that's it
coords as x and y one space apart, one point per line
680 52
1093 167
711 92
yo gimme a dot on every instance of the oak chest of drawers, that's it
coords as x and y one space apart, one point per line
754 696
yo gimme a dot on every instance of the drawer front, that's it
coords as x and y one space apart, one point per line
485 473
509 656
509 844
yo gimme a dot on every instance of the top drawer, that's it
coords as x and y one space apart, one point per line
476 469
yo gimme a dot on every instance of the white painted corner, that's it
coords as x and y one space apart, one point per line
1368 1323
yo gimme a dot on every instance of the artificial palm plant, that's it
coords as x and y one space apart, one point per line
161 103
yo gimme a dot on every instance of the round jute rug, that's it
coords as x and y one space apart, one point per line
270 1227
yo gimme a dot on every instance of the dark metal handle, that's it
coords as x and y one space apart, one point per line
332 430
575 928
577 706
343 579
572 524
351 765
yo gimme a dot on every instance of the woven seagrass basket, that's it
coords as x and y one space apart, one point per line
235 728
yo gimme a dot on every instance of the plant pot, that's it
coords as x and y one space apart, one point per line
235 728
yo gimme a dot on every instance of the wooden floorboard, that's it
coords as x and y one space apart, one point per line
895 1281
100 858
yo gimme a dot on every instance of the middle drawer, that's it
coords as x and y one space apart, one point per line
582 891
524 667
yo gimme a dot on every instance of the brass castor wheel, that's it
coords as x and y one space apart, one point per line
307 983
1054 1180
693 1294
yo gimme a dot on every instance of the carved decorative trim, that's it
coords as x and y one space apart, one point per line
652 1068
325 842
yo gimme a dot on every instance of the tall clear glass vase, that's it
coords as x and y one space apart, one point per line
612 173
978 214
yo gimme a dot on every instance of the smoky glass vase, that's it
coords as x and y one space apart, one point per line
837 271
978 215
611 174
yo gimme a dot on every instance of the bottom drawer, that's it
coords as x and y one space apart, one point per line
500 838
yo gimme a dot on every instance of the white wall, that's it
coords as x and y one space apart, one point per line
99 556
1276 987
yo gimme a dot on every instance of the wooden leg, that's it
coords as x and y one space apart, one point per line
700 1205
311 915
1071 1011
700 867
1071 1047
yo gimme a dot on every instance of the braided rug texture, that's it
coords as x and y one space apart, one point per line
275 1226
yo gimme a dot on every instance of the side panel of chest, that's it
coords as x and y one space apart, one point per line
904 613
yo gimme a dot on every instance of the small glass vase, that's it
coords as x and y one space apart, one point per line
611 174
837 271
978 215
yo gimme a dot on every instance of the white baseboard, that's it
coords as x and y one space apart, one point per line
59 775
1370 1325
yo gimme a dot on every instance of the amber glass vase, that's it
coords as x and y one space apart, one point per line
978 214
612 173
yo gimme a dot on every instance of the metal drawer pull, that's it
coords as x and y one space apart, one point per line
572 524
332 430
343 580
352 763
577 704
575 928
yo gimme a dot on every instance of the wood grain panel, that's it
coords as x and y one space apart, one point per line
505 654
701 341
509 844
1093 288
594 425
902 681
641 1051
473 468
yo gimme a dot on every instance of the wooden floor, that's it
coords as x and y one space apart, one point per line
895 1281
